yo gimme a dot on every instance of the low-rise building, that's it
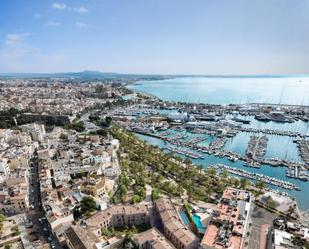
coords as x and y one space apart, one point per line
14 196
174 230
9 233
228 227
152 239
119 216
37 131
282 240
94 187
77 237
4 167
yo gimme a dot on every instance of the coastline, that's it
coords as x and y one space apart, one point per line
300 197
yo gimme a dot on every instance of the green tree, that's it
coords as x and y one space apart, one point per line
291 209
123 190
260 185
244 183
136 199
108 120
271 203
107 232
2 219
300 242
15 231
13 111
155 194
78 126
224 174
102 132
63 136
88 204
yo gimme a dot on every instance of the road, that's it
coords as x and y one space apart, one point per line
88 125
40 226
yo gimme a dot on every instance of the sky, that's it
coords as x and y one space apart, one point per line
155 36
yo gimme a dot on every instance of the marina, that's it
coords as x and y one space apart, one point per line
266 169
219 133
154 125
216 148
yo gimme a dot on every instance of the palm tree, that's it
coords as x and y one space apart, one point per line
224 174
212 172
235 182
188 162
260 185
291 209
200 168
180 190
244 183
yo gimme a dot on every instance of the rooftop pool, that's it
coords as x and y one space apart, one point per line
184 217
198 223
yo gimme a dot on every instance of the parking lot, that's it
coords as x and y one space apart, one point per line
259 218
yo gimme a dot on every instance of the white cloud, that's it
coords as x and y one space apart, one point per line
81 9
59 6
62 6
15 38
81 24
53 24
16 52
37 16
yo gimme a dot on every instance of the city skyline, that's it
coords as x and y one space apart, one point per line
160 37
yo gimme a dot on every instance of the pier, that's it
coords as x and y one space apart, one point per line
303 147
274 132
256 150
274 116
218 143
297 172
257 177
184 152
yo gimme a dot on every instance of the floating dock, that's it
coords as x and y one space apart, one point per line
297 173
256 148
303 147
257 177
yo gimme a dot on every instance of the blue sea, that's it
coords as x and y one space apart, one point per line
225 90
230 90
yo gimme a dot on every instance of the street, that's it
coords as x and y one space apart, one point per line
40 228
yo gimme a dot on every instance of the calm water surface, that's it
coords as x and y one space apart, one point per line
278 172
283 90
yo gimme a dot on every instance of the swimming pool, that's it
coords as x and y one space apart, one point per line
184 217
198 223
